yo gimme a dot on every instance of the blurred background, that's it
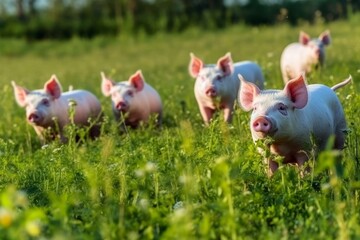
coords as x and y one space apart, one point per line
64 19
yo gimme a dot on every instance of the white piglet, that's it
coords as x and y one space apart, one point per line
304 55
217 85
290 117
48 109
134 99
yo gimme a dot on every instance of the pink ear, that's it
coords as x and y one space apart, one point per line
325 37
304 38
106 85
137 80
53 87
195 65
248 91
20 94
296 90
225 64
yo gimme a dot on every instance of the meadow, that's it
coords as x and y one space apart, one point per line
185 181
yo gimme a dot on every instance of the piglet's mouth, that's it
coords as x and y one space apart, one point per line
270 133
122 110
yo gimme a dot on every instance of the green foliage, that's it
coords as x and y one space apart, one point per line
185 180
91 18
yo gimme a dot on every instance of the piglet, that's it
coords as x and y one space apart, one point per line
48 109
290 117
217 85
134 99
304 55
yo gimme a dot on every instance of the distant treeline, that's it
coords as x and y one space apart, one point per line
63 19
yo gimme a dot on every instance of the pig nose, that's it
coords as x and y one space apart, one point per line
210 91
33 117
121 105
261 124
317 52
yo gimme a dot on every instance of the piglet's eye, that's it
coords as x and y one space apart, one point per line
218 78
130 93
45 102
282 109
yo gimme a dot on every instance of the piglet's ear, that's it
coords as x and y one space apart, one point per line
137 80
296 91
248 91
226 64
195 65
53 87
20 94
106 85
304 38
325 37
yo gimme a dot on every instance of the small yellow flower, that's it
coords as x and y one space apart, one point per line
6 217
33 228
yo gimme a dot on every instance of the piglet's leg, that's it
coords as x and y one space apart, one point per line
301 158
273 166
228 111
41 134
206 114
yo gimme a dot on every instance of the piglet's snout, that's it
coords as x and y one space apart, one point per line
317 53
121 106
34 118
261 124
210 92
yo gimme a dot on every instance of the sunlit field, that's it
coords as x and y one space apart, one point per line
185 180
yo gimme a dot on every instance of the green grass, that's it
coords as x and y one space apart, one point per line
185 181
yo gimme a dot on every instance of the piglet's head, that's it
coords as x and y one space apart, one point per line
52 88
274 111
295 90
136 81
210 79
38 102
324 38
224 65
315 46
123 93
